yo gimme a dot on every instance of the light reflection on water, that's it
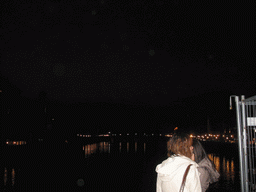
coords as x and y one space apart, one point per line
232 173
106 144
225 166
105 147
228 167
5 176
91 149
216 161
13 176
6 173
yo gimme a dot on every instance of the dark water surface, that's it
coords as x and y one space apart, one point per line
127 165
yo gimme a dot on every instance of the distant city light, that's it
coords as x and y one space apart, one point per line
15 142
151 52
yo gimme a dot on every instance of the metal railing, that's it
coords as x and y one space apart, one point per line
246 130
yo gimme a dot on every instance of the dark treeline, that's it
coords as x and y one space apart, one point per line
32 116
26 116
29 117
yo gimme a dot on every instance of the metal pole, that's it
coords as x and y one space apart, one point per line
245 145
238 118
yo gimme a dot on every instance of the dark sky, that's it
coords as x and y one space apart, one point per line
156 52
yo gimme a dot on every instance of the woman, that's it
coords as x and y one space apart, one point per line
208 173
170 172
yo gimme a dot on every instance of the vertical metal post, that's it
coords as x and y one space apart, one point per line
240 143
245 144
253 114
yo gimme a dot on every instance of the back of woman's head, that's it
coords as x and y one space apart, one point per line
179 144
198 150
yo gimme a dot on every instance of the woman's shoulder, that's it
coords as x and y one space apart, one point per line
185 161
176 164
179 159
205 163
206 166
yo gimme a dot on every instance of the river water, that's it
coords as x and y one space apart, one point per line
117 165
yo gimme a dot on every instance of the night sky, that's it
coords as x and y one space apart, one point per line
157 53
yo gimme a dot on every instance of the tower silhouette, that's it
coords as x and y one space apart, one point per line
208 125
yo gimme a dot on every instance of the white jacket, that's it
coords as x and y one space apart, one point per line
170 174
